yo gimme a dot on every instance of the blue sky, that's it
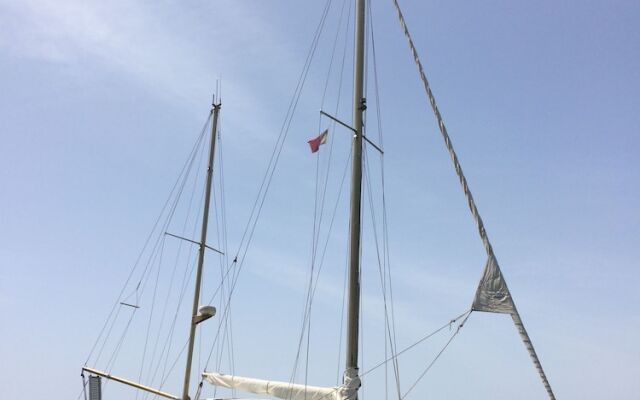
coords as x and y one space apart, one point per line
100 103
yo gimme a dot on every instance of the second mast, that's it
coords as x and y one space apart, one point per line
203 241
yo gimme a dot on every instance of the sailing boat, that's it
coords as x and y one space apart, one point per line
492 293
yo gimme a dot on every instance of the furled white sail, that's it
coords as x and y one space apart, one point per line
284 390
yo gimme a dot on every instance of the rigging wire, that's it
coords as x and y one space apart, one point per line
324 250
84 386
162 237
436 357
318 219
249 230
314 282
342 309
185 283
188 272
333 124
118 347
162 319
175 361
104 343
176 194
416 343
153 303
385 270
186 167
464 316
346 271
381 272
150 261
231 352
166 349
284 129
227 338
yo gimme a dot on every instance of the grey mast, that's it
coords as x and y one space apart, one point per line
359 105
195 317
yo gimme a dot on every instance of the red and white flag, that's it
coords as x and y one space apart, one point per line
316 142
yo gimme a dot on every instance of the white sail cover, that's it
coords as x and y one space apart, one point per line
493 294
285 390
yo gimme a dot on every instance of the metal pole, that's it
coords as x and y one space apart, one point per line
203 240
359 106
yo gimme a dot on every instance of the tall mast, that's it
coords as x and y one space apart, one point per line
359 105
203 240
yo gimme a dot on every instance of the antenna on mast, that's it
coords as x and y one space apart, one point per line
217 93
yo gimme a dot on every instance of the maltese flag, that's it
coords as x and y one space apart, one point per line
316 142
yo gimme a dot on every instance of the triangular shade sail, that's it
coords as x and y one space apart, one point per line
492 294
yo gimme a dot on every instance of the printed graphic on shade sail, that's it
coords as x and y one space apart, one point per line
493 294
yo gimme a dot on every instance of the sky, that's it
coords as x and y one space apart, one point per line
101 103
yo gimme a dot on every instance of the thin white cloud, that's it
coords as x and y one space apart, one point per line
144 42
